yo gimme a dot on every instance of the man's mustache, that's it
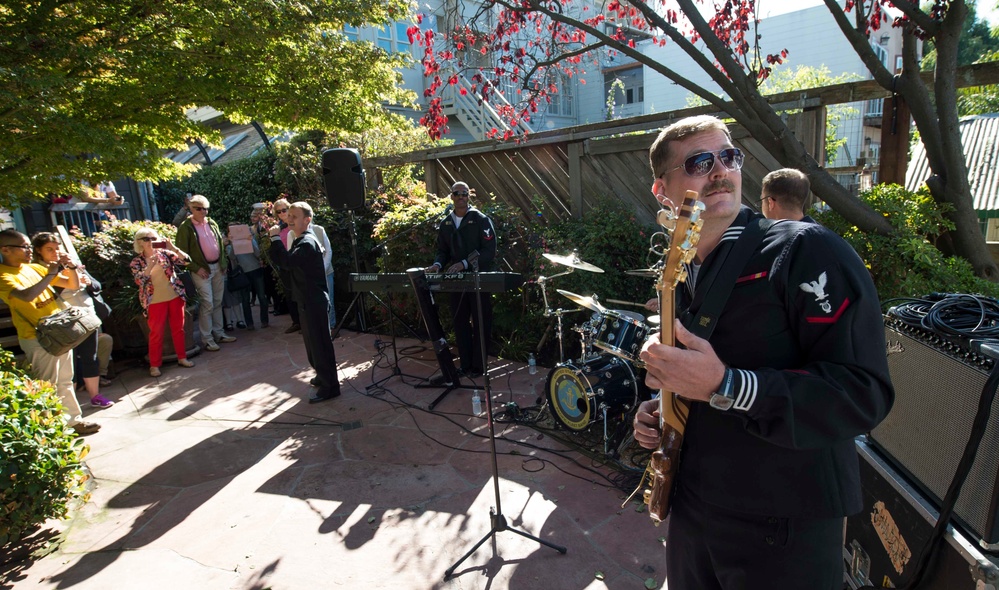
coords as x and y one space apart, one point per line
722 184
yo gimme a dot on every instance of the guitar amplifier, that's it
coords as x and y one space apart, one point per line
938 385
885 540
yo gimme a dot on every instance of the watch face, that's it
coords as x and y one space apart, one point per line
720 402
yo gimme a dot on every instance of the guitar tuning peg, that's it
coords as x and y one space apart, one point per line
666 218
687 245
681 275
694 238
688 256
697 225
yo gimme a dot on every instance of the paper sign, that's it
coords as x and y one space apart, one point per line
242 241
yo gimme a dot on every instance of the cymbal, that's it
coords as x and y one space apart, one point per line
648 273
653 319
572 260
589 302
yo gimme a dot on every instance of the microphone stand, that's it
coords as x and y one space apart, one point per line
496 518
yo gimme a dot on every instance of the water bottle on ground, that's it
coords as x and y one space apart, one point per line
476 404
532 364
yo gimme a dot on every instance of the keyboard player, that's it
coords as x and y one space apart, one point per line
466 242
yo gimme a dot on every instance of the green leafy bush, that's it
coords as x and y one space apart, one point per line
231 188
41 470
907 263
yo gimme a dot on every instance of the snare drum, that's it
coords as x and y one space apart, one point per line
622 333
578 390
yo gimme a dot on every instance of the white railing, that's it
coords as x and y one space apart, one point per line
478 116
86 216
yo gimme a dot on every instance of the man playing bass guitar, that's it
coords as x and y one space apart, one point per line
794 369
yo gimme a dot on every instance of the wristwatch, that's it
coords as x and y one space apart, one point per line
724 398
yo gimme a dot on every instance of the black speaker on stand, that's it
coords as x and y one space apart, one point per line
343 180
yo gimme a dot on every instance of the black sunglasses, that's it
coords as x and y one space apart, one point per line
460 193
147 239
280 211
24 247
199 208
701 164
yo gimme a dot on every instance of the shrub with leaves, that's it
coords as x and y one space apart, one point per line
907 263
41 470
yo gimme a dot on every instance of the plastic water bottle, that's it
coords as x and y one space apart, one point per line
476 404
532 364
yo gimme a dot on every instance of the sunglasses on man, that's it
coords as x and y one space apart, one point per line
280 211
24 247
460 193
196 208
701 164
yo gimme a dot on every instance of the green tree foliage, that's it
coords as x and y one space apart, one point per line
41 470
95 90
977 45
907 264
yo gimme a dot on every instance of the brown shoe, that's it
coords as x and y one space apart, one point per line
85 428
184 363
154 372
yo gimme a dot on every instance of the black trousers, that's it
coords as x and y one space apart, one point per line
708 548
464 306
318 344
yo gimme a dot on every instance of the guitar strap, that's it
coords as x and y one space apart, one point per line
709 301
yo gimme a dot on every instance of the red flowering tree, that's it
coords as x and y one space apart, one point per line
525 43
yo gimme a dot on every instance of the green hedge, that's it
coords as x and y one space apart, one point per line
907 263
41 469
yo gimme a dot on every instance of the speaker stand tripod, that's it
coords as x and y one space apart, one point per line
496 519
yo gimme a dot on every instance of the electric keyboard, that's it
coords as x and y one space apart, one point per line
490 282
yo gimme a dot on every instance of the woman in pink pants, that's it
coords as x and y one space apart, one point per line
161 293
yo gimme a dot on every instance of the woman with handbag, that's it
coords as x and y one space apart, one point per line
161 293
46 249
27 289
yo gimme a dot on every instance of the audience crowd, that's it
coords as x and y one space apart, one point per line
226 273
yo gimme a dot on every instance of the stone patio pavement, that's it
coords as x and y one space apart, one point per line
224 477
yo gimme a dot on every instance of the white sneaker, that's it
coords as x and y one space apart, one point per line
212 347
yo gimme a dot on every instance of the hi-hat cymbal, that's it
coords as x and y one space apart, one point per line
572 260
654 319
648 273
589 301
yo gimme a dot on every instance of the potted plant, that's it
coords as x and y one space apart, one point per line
107 255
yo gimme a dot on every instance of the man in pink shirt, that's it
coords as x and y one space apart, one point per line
200 237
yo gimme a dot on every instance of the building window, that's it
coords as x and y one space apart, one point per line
385 38
351 33
561 103
402 38
633 90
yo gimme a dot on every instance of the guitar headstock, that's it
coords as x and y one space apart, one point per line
684 228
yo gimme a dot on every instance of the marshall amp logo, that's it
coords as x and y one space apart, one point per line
895 346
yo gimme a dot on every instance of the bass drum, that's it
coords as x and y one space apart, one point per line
578 391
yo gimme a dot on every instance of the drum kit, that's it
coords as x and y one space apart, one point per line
607 382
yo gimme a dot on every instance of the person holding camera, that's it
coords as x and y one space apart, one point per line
161 293
47 249
27 289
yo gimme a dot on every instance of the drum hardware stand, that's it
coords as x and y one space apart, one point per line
558 313
496 518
